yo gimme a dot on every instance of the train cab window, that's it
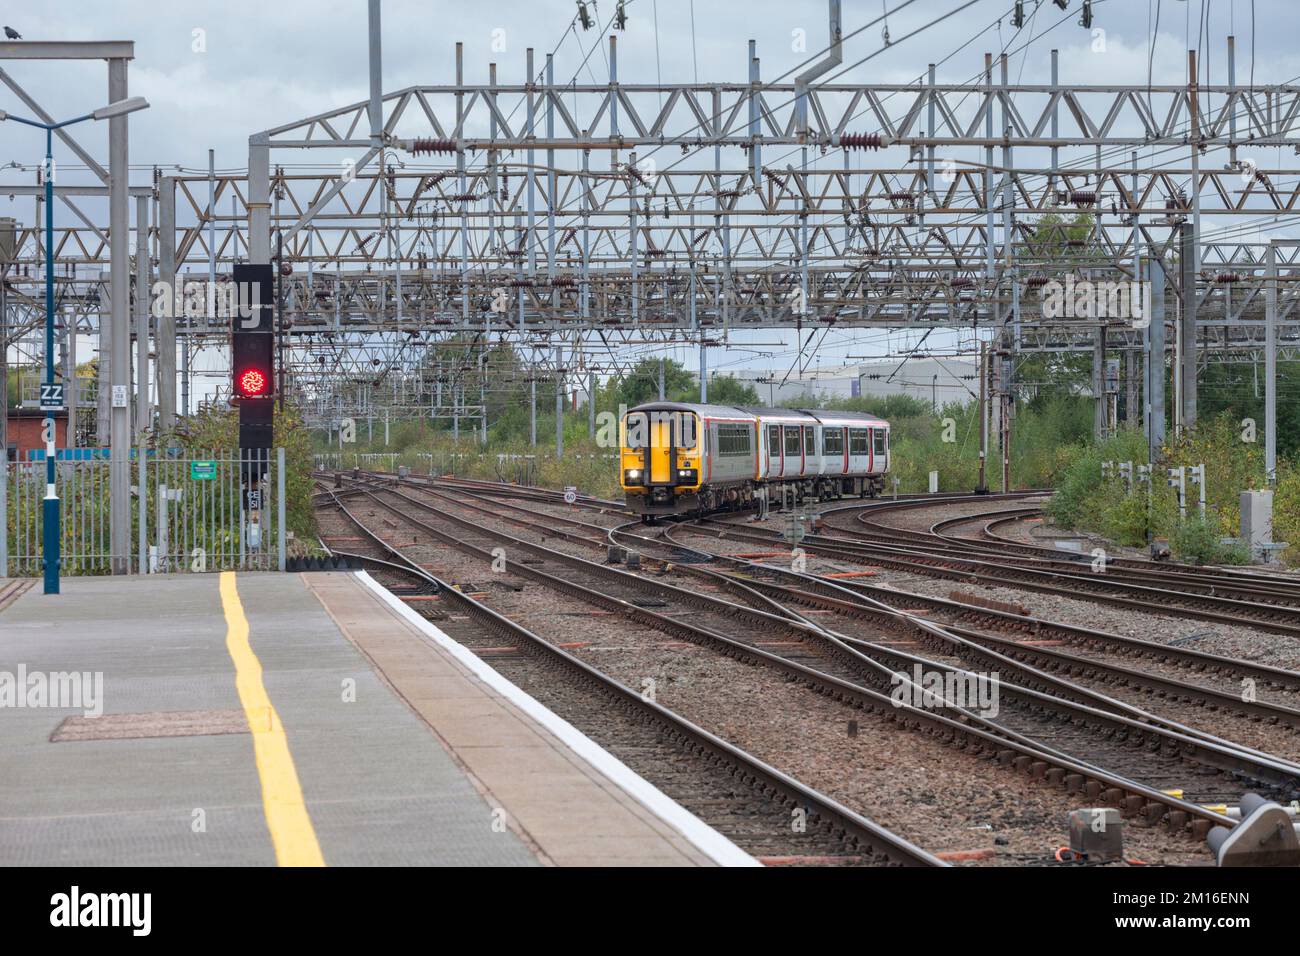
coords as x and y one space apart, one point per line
810 441
880 435
774 440
636 430
859 441
791 441
833 441
684 430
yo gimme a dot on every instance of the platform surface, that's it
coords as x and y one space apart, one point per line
327 727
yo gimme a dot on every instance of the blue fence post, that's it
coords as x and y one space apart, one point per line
279 505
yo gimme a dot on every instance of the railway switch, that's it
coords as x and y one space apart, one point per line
1266 836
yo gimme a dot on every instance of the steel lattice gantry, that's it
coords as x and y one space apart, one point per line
602 216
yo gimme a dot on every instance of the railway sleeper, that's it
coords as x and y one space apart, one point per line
907 721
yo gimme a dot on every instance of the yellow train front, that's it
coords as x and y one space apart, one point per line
659 467
680 458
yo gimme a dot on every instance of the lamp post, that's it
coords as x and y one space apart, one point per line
51 396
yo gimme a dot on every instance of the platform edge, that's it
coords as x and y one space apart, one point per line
698 833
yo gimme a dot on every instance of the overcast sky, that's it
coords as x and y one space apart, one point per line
268 63
215 72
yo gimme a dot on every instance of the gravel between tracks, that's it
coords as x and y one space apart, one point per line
1240 641
887 773
1279 740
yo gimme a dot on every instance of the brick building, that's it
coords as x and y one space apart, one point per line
24 431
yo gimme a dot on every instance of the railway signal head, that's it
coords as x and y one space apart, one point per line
252 345
252 383
252 366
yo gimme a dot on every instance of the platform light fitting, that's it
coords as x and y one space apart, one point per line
121 108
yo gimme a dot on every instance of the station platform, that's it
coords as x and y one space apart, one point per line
294 719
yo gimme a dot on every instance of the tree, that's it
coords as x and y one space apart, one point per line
1046 376
642 383
729 390
1054 237
1238 389
20 375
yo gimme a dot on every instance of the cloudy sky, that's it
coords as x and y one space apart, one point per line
216 71
261 64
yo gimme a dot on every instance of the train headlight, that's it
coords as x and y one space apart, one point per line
632 476
686 476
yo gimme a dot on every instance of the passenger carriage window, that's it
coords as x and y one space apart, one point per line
791 441
810 440
734 441
880 440
858 441
833 441
774 439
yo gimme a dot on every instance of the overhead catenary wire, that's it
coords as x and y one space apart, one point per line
1235 227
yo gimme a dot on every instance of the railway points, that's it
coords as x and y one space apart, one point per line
460 508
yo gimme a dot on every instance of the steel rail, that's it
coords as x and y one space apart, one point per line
1208 752
874 839
1077 586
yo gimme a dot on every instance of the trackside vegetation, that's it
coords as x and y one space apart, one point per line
1053 448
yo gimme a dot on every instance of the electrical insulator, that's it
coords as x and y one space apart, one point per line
861 141
431 146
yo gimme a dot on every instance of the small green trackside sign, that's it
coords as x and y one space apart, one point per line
203 470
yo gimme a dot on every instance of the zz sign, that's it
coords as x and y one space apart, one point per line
51 395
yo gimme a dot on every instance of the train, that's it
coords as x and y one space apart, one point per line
680 458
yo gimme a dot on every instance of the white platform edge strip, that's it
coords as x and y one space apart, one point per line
700 835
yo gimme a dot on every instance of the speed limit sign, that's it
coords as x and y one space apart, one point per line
570 494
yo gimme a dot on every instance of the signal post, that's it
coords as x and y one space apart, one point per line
252 354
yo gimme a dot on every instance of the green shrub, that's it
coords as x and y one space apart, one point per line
1195 540
1085 500
1286 513
1073 505
1125 518
1236 553
217 429
1198 540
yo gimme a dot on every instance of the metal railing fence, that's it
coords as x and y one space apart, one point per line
192 514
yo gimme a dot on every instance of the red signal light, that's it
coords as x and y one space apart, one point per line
253 382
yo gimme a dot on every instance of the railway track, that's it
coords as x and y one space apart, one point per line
1233 673
1106 723
942 536
594 536
742 797
972 648
1229 576
989 570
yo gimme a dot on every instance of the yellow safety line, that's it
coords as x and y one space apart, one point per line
286 812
